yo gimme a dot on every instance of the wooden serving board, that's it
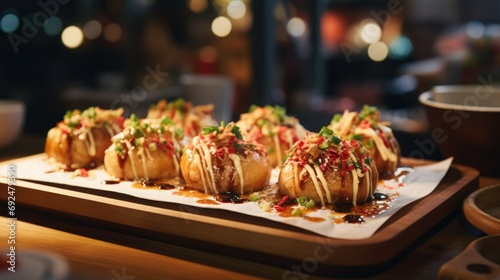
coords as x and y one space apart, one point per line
249 237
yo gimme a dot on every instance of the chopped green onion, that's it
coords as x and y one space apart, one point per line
236 131
73 124
336 140
325 131
253 107
368 144
367 111
68 114
280 113
324 145
296 212
138 133
306 202
166 121
262 122
119 147
178 132
357 137
336 118
209 129
254 197
310 204
302 200
178 104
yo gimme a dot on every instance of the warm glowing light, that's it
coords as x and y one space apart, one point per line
72 37
378 51
53 26
197 6
400 48
9 23
370 32
92 29
236 9
208 54
332 28
221 26
112 32
296 27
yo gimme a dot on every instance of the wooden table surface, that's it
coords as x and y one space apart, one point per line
97 253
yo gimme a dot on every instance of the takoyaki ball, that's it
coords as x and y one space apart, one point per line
147 149
80 139
271 127
219 160
375 135
328 169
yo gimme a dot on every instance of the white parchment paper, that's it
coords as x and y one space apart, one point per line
419 183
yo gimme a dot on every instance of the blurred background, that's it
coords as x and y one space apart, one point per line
315 57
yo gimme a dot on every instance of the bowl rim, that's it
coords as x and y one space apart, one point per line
9 106
477 216
426 99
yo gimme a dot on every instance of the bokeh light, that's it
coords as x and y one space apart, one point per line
92 29
112 32
53 26
9 23
370 32
197 6
221 26
475 29
296 27
72 37
400 48
378 51
207 54
236 9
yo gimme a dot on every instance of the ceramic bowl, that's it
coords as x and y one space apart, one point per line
482 209
480 260
463 122
11 121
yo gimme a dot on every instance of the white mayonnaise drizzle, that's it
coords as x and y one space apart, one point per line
312 175
90 143
237 165
384 151
322 179
205 153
